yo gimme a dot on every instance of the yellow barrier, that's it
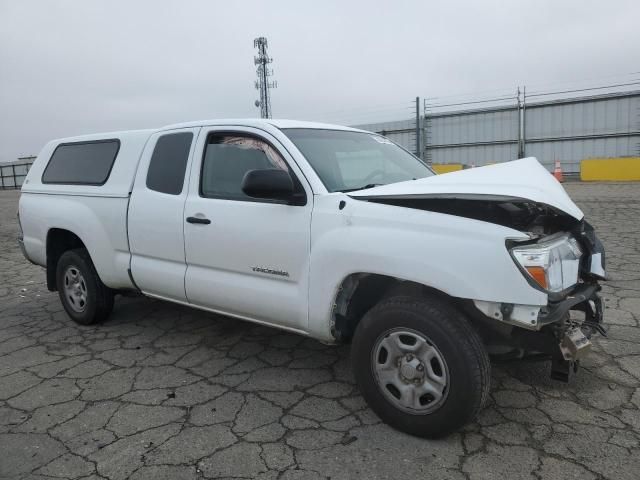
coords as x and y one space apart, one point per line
611 169
446 167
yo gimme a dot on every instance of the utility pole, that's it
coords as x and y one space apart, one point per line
427 132
418 151
519 106
523 135
263 85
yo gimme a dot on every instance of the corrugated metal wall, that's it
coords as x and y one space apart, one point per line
477 137
568 130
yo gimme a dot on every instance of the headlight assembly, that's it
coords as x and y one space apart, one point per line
553 262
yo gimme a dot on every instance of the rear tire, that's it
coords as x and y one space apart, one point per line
420 365
83 295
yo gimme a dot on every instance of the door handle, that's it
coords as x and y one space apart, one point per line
203 221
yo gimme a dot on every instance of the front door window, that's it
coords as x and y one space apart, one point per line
228 157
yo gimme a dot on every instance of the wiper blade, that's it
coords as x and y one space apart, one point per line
368 185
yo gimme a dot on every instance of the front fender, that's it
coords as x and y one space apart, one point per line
461 257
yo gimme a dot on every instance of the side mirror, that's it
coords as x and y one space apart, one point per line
269 184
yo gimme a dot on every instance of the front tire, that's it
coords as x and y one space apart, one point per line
420 365
83 295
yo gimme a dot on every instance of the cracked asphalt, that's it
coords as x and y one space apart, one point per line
164 392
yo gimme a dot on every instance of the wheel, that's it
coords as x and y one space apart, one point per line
83 295
420 365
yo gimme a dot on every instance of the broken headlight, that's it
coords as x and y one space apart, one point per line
553 263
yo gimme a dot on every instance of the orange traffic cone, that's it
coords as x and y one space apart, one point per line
557 172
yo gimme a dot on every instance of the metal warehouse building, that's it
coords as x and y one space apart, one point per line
567 129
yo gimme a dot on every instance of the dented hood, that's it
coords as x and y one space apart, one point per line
524 179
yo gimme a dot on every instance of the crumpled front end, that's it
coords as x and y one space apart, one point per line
557 252
569 267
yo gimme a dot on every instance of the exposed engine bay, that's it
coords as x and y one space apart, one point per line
519 214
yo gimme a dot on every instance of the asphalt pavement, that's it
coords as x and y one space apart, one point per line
165 392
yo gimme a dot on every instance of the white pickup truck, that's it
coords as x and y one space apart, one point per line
330 232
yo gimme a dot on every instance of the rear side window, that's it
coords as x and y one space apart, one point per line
169 163
82 163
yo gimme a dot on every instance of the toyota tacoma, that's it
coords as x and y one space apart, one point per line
330 232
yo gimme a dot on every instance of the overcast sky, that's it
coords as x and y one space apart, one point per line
85 66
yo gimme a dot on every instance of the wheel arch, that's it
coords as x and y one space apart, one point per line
361 291
59 240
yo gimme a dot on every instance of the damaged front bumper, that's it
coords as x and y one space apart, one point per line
574 335
556 331
585 298
533 317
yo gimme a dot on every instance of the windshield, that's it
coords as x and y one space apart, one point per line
347 161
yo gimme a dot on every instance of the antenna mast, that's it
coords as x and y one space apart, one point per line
263 85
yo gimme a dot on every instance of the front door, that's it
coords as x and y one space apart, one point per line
246 257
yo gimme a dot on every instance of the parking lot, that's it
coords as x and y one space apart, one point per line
165 392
